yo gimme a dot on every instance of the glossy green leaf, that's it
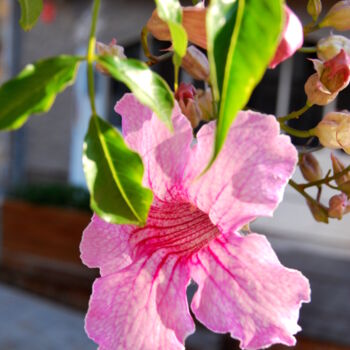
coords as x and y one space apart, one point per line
170 11
147 86
30 12
242 39
114 176
34 90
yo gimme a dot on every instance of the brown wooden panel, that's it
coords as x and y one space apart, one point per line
51 233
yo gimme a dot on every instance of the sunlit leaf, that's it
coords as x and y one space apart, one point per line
242 38
114 176
30 12
34 90
147 86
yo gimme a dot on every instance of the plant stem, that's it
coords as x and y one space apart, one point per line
311 27
327 179
158 59
295 114
91 55
297 133
310 49
300 189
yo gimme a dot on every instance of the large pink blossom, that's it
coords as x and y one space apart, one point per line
192 231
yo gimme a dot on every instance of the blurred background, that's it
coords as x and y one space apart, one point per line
44 288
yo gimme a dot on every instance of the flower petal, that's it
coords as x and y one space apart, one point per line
164 153
143 307
292 38
105 246
244 290
248 177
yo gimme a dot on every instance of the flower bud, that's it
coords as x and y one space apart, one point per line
336 72
318 211
337 206
338 167
185 95
330 46
338 16
315 94
291 40
185 92
326 130
111 49
345 188
205 104
193 20
196 64
343 134
314 8
310 168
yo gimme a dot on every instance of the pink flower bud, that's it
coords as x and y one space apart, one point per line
292 38
338 16
193 20
318 211
336 72
338 166
330 46
111 49
185 95
196 64
315 92
314 8
310 168
185 92
337 206
327 128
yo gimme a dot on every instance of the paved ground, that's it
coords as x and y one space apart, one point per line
29 323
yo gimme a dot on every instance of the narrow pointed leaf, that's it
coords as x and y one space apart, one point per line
242 37
114 176
148 87
34 90
30 12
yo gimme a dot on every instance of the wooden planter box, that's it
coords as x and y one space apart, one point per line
40 250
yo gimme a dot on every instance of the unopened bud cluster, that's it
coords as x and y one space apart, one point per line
195 104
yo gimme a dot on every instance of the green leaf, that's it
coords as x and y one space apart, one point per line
147 86
242 39
30 12
34 90
170 11
114 176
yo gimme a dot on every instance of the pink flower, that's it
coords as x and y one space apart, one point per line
292 38
192 231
